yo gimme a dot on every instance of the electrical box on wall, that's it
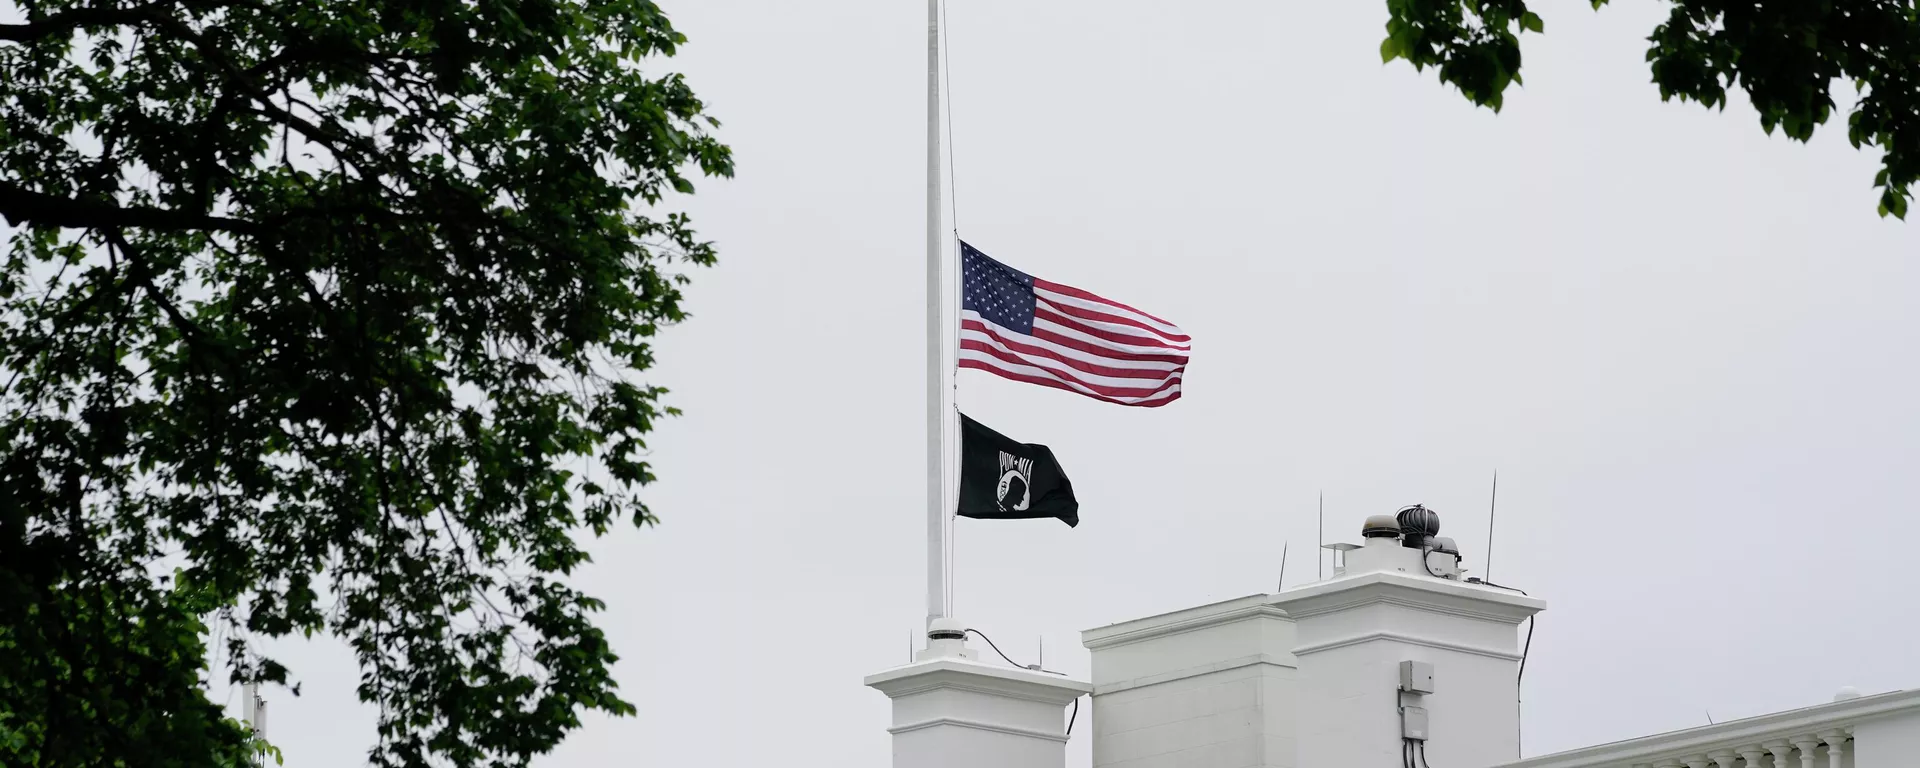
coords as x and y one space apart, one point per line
1413 723
1416 677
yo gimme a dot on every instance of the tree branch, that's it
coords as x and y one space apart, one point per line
332 136
65 22
21 206
141 273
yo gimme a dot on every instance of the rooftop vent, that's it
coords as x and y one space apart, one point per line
1417 526
1380 527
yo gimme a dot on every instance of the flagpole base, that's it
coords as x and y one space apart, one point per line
952 711
946 639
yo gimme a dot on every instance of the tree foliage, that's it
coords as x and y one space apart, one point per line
132 653
341 307
154 647
1785 54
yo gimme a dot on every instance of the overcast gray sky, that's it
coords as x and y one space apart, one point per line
1687 347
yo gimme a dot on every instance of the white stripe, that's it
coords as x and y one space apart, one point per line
1066 351
1041 323
1145 337
1061 298
1027 370
1164 373
1060 370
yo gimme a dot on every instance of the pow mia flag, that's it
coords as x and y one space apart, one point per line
1005 480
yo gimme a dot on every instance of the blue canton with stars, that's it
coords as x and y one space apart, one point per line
1001 294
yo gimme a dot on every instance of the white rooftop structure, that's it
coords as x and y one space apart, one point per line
1399 660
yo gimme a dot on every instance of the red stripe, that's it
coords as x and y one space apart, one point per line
1046 382
1045 311
1110 391
1158 380
1080 294
1179 357
1103 317
1082 365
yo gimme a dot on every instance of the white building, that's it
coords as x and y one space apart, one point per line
1396 661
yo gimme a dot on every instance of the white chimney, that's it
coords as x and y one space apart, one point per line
1311 677
1394 657
951 710
1205 687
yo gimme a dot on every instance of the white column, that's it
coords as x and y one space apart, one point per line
1836 740
1782 753
1752 754
1725 758
1806 743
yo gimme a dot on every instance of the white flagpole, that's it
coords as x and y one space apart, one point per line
936 338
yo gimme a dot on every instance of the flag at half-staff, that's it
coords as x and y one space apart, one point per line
1004 479
1020 327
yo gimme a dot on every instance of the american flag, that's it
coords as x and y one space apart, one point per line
1023 328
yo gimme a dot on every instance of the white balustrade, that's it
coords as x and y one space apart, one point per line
1803 750
1825 736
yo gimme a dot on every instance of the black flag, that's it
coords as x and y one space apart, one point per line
1005 480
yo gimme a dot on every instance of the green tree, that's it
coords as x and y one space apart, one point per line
151 655
343 308
1786 55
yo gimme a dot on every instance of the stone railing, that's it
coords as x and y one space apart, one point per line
1854 731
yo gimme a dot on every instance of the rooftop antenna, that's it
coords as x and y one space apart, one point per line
255 711
1320 560
1491 503
1283 567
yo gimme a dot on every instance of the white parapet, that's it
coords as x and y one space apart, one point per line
1201 687
1385 608
951 711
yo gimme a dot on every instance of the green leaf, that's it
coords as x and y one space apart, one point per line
1893 202
1530 22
